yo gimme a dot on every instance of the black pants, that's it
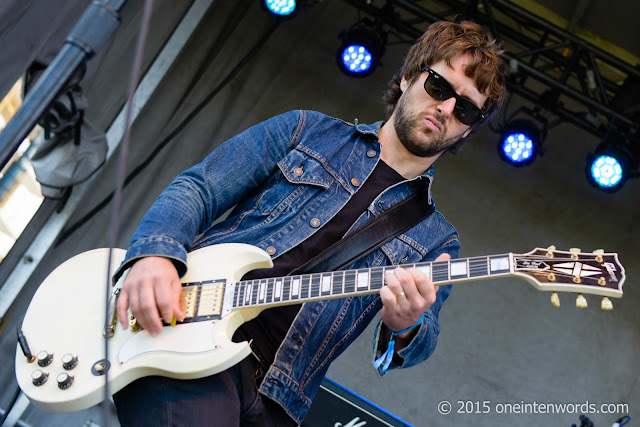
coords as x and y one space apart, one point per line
229 398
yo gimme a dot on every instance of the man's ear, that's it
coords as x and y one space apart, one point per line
404 84
466 133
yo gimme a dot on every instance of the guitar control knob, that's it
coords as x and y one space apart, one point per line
38 377
64 381
45 358
69 361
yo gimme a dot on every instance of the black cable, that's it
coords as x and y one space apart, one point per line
10 407
64 234
114 227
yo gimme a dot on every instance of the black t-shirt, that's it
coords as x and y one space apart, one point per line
270 327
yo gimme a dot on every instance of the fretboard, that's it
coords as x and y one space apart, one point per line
341 284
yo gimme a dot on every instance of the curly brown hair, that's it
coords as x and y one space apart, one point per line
444 41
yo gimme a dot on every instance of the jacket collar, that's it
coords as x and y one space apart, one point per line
374 129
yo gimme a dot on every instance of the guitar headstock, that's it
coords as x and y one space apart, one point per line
597 273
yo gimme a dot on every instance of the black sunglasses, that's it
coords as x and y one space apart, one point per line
440 89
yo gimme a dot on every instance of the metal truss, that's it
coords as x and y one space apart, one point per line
548 66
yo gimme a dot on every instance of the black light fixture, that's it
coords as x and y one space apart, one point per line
519 142
361 48
614 161
522 136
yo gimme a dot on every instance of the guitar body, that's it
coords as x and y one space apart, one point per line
66 317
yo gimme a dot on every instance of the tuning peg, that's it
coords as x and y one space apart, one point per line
581 302
550 250
599 253
555 300
606 304
574 253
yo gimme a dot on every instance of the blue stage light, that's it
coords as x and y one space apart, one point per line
520 142
361 48
606 171
612 163
518 147
281 7
356 58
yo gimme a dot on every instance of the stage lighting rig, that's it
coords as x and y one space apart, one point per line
614 161
361 48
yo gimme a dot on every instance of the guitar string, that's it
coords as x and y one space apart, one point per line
263 291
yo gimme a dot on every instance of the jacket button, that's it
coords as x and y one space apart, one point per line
355 182
298 171
270 250
315 223
372 153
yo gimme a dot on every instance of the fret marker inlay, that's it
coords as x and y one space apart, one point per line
263 290
499 263
363 279
458 268
296 287
278 288
326 283
426 269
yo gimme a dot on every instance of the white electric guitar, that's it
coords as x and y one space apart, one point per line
65 322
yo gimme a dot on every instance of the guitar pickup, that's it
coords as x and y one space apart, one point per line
210 300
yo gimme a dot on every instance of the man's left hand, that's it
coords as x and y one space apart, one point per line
408 293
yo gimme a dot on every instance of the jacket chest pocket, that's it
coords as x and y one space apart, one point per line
301 177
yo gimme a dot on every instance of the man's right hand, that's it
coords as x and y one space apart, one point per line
152 291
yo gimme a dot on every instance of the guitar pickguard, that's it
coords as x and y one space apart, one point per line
197 338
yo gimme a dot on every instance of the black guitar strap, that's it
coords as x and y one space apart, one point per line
374 234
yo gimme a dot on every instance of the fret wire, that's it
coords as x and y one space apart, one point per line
271 288
488 266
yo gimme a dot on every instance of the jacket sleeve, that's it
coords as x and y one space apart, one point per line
424 342
196 197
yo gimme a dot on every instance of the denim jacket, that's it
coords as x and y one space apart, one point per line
287 177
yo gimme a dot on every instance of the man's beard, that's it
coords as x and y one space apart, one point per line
409 125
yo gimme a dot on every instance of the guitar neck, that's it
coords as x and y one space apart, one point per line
298 289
